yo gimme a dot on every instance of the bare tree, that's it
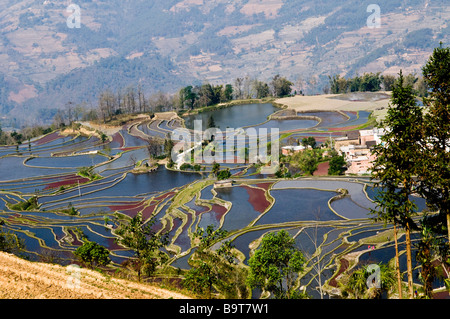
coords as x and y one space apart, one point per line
316 259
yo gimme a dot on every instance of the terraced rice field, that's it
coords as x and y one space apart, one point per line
181 202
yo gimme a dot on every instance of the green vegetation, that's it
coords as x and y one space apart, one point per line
10 243
223 174
70 210
370 82
414 159
215 271
307 161
337 164
357 287
29 204
88 172
396 164
275 264
93 254
139 237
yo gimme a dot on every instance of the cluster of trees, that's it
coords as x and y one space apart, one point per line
26 134
137 235
191 97
133 100
368 82
373 82
274 266
414 159
10 242
308 160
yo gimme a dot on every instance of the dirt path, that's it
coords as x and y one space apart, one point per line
22 279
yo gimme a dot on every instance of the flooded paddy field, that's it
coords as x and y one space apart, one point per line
312 210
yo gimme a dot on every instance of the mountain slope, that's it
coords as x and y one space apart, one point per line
165 45
22 279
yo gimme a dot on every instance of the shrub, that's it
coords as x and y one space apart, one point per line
93 254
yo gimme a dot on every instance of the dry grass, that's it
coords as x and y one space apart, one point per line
22 279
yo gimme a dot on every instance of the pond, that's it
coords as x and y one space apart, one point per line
355 189
12 168
363 117
298 205
347 208
242 211
421 203
327 118
287 125
243 241
234 117
67 161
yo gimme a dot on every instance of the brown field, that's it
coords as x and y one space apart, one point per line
22 279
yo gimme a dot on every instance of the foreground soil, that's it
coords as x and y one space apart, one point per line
22 279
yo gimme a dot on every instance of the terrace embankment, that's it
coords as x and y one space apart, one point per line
22 279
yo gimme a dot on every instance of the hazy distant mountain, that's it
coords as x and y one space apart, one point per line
47 61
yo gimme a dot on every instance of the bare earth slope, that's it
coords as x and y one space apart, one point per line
22 279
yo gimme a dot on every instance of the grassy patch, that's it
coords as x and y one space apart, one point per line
380 238
29 204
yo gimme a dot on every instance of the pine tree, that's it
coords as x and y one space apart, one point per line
395 167
435 171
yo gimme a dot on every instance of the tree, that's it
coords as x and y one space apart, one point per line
214 269
159 102
187 97
307 161
215 168
428 247
280 86
275 265
227 93
168 146
370 82
357 283
316 261
388 82
10 242
395 167
309 141
139 236
93 254
338 84
211 123
435 170
223 174
237 88
336 165
260 89
154 147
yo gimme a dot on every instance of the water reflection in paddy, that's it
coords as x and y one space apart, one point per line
327 118
242 211
297 205
234 117
67 161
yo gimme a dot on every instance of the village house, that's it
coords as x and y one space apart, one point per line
290 149
358 150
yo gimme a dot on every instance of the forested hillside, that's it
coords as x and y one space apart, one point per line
165 45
